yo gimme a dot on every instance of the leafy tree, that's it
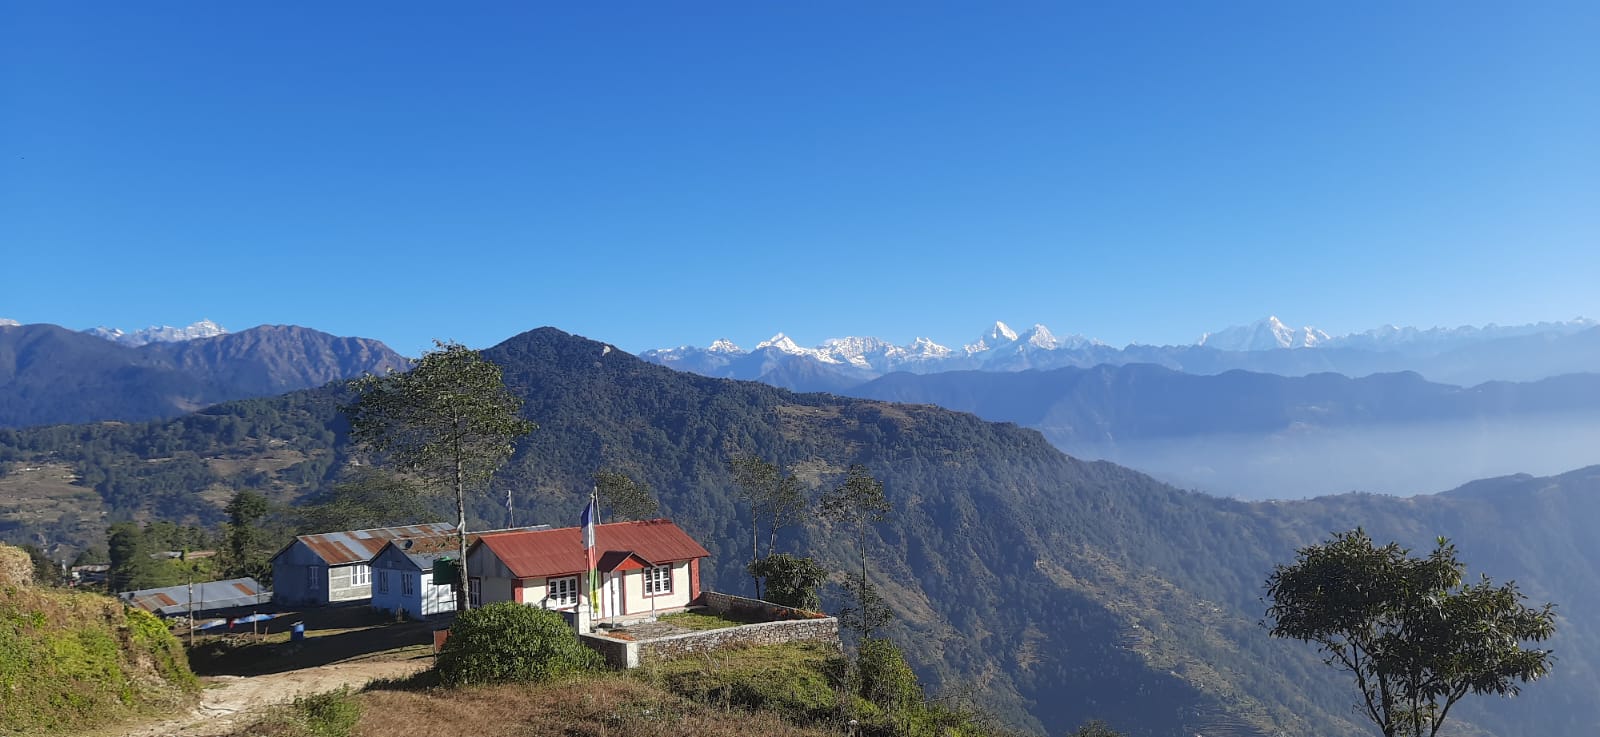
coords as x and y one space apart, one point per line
46 572
792 581
506 641
132 568
247 547
1094 728
1416 638
622 498
866 612
771 495
450 420
858 502
368 498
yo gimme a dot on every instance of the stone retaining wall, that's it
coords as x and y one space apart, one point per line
824 630
619 654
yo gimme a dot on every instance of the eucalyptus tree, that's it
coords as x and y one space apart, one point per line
1415 637
622 498
859 503
772 496
450 421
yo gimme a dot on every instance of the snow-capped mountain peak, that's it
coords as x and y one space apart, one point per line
1263 335
723 345
999 335
925 348
1040 337
782 343
160 333
8 322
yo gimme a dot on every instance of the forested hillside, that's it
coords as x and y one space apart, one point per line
49 374
1061 590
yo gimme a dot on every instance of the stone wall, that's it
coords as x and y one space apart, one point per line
618 653
824 630
753 609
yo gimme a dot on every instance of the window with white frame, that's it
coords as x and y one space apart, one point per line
562 591
383 582
658 580
476 596
360 575
408 584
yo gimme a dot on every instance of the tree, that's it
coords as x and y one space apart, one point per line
367 498
1415 637
246 545
771 495
859 503
46 572
792 581
132 568
1094 728
450 420
622 498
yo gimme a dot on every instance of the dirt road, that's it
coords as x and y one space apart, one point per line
229 702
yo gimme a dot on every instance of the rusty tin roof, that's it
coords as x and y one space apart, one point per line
173 600
358 546
559 552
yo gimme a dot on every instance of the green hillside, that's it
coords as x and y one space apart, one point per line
73 661
1060 590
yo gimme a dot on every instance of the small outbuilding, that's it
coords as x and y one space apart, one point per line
335 567
403 580
211 596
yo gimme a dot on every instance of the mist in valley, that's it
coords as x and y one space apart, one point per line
1400 460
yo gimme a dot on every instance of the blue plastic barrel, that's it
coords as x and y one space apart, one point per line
297 631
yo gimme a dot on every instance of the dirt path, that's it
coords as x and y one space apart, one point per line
228 702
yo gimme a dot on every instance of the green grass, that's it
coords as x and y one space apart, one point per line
73 661
791 680
700 621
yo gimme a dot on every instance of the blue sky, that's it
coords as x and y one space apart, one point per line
652 174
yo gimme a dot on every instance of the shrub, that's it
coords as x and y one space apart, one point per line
884 678
330 714
506 641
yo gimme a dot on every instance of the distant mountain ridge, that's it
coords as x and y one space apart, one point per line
159 333
1466 355
52 375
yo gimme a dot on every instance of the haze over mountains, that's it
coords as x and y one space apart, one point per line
1061 589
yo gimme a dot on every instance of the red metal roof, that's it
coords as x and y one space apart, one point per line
544 553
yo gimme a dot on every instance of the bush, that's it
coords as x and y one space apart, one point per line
330 714
884 678
506 641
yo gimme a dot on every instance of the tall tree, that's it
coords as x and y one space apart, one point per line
771 495
859 503
367 498
449 420
132 568
622 498
1415 637
246 544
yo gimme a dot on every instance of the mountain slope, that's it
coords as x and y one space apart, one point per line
53 375
1060 590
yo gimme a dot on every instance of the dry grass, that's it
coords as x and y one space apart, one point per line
611 705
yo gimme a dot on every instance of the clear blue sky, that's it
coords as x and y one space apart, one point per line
654 173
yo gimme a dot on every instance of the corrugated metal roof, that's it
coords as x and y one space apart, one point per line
358 546
425 551
559 552
171 600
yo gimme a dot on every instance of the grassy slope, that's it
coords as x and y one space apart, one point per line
70 661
